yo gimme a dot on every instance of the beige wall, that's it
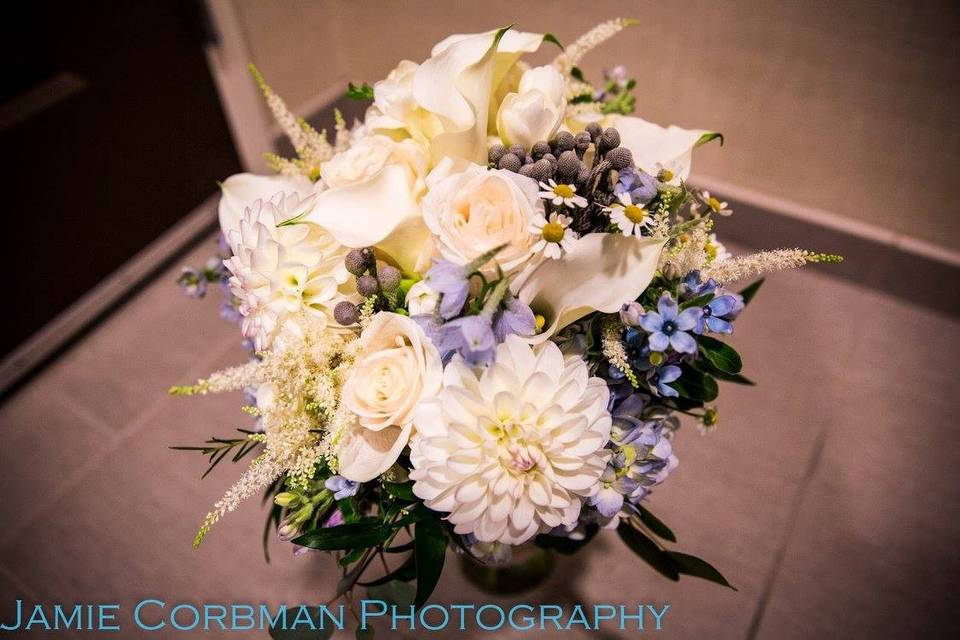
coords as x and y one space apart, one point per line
845 106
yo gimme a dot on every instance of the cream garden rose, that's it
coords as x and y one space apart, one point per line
472 212
536 111
397 367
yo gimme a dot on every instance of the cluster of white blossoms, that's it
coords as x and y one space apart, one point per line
406 287
513 450
281 270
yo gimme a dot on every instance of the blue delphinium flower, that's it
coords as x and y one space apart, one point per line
451 280
193 283
641 186
515 318
659 378
668 326
692 287
471 336
718 313
341 487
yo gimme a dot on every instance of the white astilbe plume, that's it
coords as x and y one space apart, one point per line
572 55
298 391
688 254
311 146
739 268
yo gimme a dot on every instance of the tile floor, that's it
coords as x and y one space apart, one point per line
829 495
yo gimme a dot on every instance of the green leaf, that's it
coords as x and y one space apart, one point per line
582 98
699 301
399 593
357 535
549 37
736 378
708 137
430 550
694 566
348 507
301 633
648 551
751 291
564 545
404 491
720 354
400 548
577 74
405 573
696 385
361 92
655 524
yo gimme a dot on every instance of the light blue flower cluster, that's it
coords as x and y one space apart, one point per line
475 337
642 455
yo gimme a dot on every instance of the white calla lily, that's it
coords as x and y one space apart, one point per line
456 85
651 144
241 190
381 211
599 273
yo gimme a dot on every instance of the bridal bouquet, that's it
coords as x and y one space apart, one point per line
476 316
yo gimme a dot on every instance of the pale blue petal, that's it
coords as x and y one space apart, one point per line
667 307
683 342
688 318
659 341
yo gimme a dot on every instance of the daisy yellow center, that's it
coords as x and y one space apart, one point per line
714 204
634 213
553 232
564 190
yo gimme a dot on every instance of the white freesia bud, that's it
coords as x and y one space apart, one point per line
536 111
421 299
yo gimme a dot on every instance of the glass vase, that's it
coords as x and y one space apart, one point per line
528 567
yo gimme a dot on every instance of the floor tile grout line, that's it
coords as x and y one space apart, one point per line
813 464
21 586
114 443
85 415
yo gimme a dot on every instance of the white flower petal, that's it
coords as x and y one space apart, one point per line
381 211
600 273
241 190
652 144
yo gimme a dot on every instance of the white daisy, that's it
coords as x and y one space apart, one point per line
629 217
554 236
562 194
717 207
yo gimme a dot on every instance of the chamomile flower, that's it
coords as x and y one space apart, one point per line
713 204
561 194
630 218
554 236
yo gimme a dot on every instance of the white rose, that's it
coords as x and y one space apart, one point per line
536 111
368 155
472 212
421 299
397 367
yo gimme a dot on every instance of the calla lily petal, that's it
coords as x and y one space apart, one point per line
381 211
241 190
456 83
364 454
651 144
600 273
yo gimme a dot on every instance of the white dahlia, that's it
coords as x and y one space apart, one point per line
515 449
279 271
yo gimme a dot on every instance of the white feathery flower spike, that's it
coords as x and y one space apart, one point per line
515 449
